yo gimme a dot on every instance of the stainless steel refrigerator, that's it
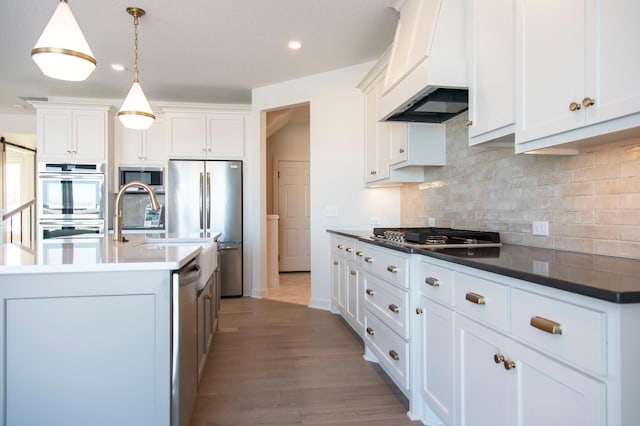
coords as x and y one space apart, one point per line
206 196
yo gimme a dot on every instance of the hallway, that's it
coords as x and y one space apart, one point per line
295 287
275 363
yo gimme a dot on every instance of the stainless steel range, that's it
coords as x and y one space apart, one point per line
437 238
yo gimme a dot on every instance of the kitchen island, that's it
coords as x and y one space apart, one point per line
87 329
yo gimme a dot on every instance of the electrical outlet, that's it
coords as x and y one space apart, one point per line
541 267
331 211
431 221
540 227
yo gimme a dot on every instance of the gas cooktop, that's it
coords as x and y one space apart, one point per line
433 237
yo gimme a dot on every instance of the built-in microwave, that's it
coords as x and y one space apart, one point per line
152 176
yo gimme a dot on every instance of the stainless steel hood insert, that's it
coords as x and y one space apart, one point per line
436 107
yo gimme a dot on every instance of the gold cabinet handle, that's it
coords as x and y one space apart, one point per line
509 364
340 246
394 355
392 269
370 292
370 331
546 325
335 262
353 273
468 123
587 102
401 151
349 249
368 259
498 358
359 253
207 296
419 311
394 308
476 298
574 106
434 282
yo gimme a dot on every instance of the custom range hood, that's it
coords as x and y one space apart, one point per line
426 78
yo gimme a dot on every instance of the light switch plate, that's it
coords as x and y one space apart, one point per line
540 227
331 211
431 221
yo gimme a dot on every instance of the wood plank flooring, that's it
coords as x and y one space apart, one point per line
275 363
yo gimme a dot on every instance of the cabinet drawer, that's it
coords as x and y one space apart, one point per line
388 302
482 299
343 247
580 333
392 351
435 282
387 265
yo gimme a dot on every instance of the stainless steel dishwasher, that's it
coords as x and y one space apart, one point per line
184 341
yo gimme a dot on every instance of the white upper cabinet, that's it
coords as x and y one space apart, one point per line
492 72
576 74
69 132
141 147
205 134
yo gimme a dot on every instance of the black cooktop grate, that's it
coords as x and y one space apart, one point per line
421 235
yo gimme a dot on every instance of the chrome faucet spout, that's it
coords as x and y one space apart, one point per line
117 219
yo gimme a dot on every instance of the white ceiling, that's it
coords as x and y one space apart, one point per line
212 51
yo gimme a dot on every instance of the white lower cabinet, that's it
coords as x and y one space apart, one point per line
505 383
347 282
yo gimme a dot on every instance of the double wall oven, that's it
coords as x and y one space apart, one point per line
72 200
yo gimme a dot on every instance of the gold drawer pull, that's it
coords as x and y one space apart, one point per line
368 259
419 311
394 355
370 331
353 273
546 325
498 358
340 246
370 292
468 123
392 269
434 282
359 253
509 364
335 262
349 249
394 308
476 298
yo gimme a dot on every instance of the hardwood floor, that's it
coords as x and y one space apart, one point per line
275 363
295 287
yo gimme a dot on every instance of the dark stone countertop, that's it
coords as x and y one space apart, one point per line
613 279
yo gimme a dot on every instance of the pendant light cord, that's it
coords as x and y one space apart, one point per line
135 48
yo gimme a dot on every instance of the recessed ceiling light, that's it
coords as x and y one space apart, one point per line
117 67
295 45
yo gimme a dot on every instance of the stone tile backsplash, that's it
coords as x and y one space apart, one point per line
591 200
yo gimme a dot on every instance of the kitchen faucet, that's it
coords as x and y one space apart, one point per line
117 219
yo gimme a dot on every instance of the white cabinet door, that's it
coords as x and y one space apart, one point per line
72 134
551 394
353 303
574 77
551 64
486 392
137 147
437 374
187 135
492 73
370 134
226 135
337 283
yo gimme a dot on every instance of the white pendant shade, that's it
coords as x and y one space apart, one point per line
62 51
136 112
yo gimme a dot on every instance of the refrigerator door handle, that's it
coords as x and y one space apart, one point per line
200 200
227 248
208 195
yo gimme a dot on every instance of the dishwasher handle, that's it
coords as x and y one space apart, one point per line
190 274
228 248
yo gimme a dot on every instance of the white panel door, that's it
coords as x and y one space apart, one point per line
293 207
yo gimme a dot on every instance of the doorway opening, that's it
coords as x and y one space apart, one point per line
288 201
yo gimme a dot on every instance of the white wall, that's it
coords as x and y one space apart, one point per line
337 169
18 123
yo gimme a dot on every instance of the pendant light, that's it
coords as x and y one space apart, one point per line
62 51
136 112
